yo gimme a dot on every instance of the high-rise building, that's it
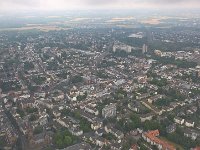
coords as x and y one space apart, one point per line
0 92
109 111
144 48
122 47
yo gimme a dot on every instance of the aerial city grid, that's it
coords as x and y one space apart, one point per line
100 75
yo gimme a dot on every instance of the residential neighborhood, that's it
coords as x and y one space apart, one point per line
100 85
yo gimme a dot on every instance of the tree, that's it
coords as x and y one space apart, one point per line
39 80
64 55
76 79
159 82
171 117
33 117
77 115
102 74
143 147
67 140
58 136
155 147
109 136
163 102
129 142
28 65
153 125
59 143
82 97
64 138
38 130
31 110
186 142
65 112
130 126
136 119
20 112
125 146
106 147
85 125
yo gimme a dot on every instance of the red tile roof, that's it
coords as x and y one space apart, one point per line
134 147
152 135
197 148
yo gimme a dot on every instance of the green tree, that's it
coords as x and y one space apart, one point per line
38 130
77 115
136 119
28 65
67 140
33 117
58 136
20 112
59 143
76 79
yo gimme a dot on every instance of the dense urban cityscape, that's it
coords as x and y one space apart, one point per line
93 81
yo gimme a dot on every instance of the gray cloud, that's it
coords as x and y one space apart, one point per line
19 2
102 2
141 1
173 1
49 4
144 3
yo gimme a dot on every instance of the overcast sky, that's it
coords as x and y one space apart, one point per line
16 5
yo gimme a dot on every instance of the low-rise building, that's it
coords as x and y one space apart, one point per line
191 134
110 129
171 128
146 117
152 138
79 146
96 125
109 111
179 120
189 123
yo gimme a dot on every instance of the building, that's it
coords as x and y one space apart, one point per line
0 92
171 128
189 124
179 120
91 110
134 106
115 146
110 129
196 148
158 52
26 103
144 48
82 145
134 147
41 139
109 111
191 134
122 47
145 117
11 136
155 98
72 125
96 125
152 138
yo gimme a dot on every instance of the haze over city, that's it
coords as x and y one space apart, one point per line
53 5
99 75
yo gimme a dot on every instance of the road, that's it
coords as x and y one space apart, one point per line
22 141
59 84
